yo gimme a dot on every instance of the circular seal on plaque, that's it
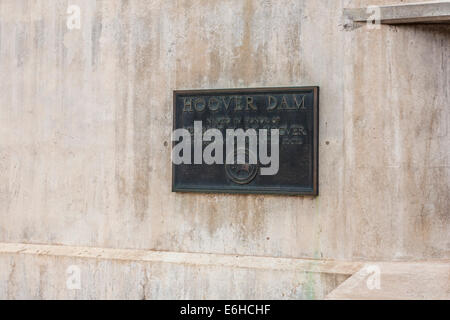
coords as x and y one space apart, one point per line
241 173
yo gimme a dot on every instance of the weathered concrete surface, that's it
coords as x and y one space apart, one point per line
85 121
420 12
42 272
399 281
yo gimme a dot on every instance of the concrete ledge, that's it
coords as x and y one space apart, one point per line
405 281
422 12
29 271
236 261
43 272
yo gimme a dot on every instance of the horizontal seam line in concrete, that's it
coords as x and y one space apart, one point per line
205 259
210 259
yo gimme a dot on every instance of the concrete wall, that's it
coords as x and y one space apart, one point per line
86 120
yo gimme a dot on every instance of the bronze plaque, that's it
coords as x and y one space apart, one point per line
283 119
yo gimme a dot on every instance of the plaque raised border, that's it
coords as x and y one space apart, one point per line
311 190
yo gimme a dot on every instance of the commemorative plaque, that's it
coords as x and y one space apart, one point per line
262 140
